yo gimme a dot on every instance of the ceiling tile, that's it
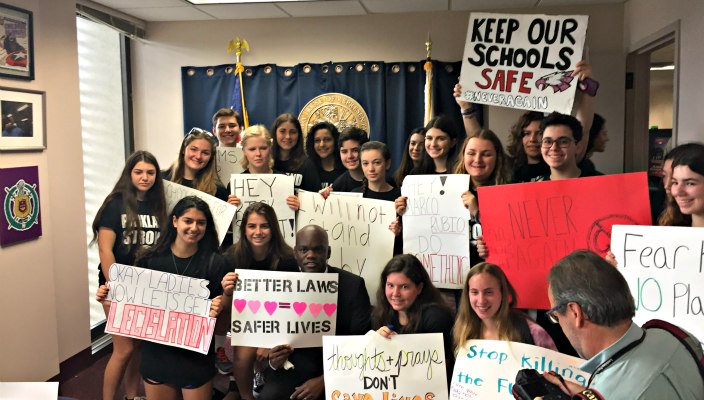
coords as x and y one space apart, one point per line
477 5
243 11
395 6
323 8
120 4
546 3
186 13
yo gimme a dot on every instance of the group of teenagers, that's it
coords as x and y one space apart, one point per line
134 227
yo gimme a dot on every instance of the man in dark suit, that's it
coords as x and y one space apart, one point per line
305 380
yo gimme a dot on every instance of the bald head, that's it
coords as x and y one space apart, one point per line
312 249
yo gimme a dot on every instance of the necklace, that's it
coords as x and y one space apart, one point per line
187 265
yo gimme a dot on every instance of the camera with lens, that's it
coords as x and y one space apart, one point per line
531 384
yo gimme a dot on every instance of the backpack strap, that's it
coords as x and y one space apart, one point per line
693 346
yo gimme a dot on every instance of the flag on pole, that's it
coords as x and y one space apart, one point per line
428 91
237 100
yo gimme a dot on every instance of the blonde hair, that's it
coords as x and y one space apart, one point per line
256 131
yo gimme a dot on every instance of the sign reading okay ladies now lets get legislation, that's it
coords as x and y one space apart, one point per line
271 308
530 226
522 61
358 232
223 212
486 369
372 367
436 226
160 307
272 189
664 268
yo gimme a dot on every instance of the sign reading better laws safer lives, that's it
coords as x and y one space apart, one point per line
160 307
372 367
522 61
436 226
272 189
486 369
664 268
530 226
223 212
270 308
358 232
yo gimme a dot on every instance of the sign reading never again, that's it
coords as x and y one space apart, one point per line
522 61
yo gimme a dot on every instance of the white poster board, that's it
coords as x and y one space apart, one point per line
436 226
664 268
160 307
522 61
272 189
228 162
358 232
486 369
270 308
223 212
374 367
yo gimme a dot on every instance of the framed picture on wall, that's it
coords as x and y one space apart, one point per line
16 43
23 121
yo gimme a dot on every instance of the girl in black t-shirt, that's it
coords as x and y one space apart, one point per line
129 219
261 247
195 166
412 154
288 154
324 152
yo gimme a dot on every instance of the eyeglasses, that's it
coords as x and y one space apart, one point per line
562 141
550 314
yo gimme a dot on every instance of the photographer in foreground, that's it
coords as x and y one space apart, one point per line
591 301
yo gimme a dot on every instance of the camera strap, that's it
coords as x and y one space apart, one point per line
615 357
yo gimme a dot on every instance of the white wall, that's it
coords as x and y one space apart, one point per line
398 37
643 18
43 281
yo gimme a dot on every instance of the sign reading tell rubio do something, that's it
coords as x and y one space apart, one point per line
486 369
270 308
160 307
522 61
664 268
372 367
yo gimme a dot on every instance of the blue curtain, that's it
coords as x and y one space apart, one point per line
390 93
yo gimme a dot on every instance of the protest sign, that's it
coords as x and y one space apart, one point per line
664 267
436 226
372 367
358 232
270 308
522 61
486 369
272 189
223 212
228 162
160 307
530 226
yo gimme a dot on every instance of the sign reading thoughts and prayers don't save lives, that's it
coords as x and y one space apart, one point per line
270 308
436 227
358 232
272 189
223 212
486 369
160 307
372 367
664 268
530 226
522 61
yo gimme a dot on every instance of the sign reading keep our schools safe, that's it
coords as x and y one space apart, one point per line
522 61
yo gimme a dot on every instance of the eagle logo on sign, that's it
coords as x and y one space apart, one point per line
21 206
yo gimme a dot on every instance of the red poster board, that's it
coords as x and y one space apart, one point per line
529 226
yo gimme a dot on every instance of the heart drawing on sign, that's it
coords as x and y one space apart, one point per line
299 307
254 305
329 308
315 308
270 306
239 304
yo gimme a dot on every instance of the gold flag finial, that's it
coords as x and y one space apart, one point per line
237 45
428 45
